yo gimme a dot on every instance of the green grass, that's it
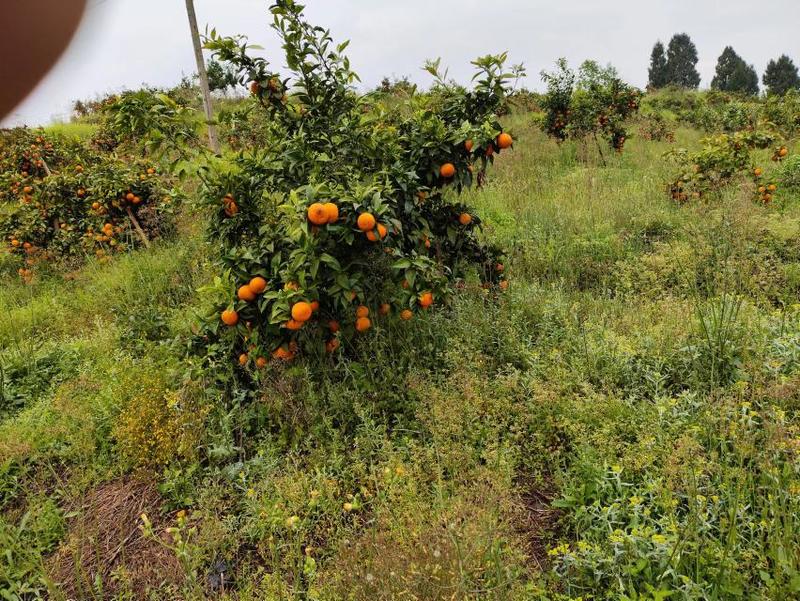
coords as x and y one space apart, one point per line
621 424
75 129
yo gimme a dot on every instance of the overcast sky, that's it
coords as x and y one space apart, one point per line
124 43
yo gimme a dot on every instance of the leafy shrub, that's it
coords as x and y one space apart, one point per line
654 127
345 213
525 101
783 112
146 114
675 100
789 175
715 166
716 111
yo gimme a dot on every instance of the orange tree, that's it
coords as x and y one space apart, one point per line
596 104
61 199
719 162
348 212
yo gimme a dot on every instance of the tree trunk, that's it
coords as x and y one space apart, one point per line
213 142
138 227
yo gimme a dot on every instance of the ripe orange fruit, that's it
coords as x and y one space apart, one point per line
757 172
504 141
499 268
427 242
382 232
79 168
447 170
314 306
783 151
293 324
332 345
261 362
422 195
255 87
243 358
363 324
15 243
333 326
465 219
258 285
468 145
489 150
772 187
246 294
762 189
95 205
318 214
406 314
332 211
366 222
385 309
301 311
405 284
425 300
230 317
130 196
362 311
27 189
504 285
282 353
28 245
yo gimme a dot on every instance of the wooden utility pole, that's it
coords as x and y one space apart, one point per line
213 141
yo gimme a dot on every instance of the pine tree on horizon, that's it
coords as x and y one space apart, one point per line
733 74
781 76
657 74
682 62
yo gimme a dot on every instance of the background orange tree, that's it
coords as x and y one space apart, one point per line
62 199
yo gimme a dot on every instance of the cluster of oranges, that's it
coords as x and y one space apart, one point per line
272 88
108 233
322 213
33 162
32 253
307 310
373 230
504 140
765 190
302 312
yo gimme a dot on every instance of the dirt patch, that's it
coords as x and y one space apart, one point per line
537 520
104 544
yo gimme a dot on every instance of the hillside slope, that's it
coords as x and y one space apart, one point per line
622 421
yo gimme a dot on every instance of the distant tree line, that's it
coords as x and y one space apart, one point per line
677 66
